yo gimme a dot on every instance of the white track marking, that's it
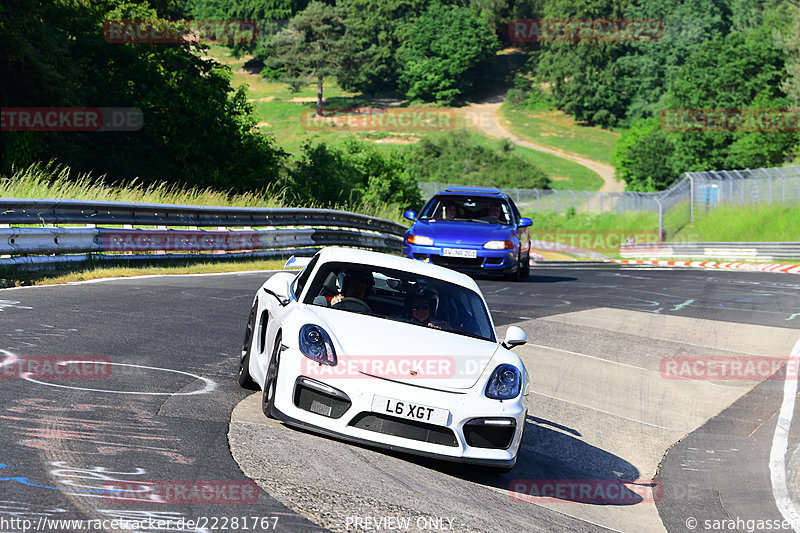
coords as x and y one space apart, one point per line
780 443
606 412
210 385
586 355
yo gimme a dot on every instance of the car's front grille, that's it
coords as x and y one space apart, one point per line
405 428
456 262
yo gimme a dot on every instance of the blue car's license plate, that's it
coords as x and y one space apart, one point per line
459 252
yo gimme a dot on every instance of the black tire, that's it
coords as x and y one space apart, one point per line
271 380
514 276
526 270
244 378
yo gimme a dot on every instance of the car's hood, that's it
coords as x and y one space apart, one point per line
455 232
408 353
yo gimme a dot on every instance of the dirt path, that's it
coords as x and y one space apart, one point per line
484 117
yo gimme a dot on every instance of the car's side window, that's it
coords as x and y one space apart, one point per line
302 279
517 216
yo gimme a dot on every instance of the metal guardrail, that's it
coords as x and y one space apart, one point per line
281 231
724 251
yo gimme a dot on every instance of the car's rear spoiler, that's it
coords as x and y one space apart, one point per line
297 262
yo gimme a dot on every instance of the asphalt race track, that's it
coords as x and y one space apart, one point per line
655 450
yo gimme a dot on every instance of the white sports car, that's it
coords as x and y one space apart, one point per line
390 352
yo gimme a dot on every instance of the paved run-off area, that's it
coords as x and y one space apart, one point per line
602 408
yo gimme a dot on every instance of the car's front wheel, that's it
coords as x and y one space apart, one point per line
244 378
271 381
526 268
515 276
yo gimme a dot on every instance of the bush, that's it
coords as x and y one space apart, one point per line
459 157
352 172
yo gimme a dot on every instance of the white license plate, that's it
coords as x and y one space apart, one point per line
410 410
458 252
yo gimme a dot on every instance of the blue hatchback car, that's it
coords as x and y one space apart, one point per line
471 229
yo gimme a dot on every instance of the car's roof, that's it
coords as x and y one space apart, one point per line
366 257
474 191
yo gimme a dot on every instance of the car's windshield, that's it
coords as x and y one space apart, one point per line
401 296
471 208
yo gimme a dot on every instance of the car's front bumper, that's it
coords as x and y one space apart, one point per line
486 261
448 442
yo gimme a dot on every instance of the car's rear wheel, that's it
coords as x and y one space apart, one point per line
244 378
271 381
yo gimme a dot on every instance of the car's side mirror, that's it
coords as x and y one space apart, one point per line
410 215
515 336
280 286
525 222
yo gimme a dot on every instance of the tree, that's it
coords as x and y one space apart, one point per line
738 71
648 67
197 131
460 157
440 49
643 157
311 48
584 77
375 30
353 172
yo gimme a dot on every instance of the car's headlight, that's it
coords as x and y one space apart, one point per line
499 245
420 240
316 344
504 383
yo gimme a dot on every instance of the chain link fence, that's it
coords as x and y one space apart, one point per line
692 196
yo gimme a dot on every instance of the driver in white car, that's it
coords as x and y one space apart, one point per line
356 284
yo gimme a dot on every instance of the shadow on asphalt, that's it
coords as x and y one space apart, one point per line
552 466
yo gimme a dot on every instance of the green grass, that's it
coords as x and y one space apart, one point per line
594 221
557 130
601 232
564 174
54 181
743 224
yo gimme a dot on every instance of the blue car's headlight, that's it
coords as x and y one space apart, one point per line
316 344
420 240
504 383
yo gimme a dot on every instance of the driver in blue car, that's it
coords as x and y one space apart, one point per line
356 284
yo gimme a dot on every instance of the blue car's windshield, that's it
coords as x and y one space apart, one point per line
468 208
